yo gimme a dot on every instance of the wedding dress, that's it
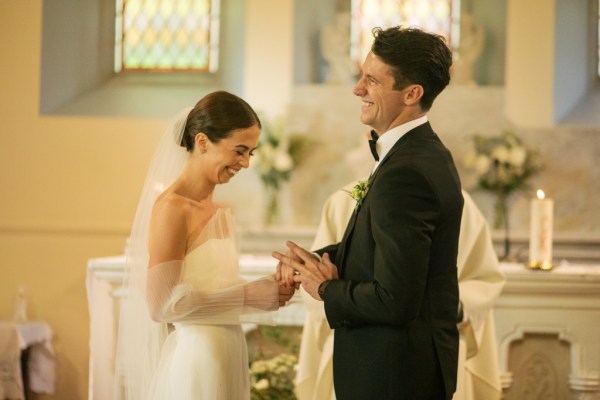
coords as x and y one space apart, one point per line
205 357
201 300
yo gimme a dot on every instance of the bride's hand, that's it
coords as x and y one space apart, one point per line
284 274
285 294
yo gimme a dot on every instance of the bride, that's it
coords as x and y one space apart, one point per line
183 265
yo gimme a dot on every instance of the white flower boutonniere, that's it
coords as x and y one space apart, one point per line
359 191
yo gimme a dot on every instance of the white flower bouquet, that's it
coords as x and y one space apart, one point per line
277 155
275 163
503 163
273 379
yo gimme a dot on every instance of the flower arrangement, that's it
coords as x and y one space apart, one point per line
359 191
278 153
504 164
273 379
273 354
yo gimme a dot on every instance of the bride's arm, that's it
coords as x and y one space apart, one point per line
172 301
169 300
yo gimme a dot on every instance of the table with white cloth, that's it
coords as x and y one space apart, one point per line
26 359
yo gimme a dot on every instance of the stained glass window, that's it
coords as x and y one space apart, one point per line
439 16
167 35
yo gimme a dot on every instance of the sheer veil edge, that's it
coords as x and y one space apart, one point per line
140 339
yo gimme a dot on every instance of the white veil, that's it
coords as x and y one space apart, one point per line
140 339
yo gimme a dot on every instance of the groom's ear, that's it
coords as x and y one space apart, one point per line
413 94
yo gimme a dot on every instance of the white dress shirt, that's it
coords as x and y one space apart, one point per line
387 140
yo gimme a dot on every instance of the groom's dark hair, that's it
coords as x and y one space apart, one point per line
416 57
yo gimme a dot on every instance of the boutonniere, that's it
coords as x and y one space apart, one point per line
359 191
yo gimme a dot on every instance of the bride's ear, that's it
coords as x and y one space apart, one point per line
201 142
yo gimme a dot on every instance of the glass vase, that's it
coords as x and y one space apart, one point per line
501 222
271 216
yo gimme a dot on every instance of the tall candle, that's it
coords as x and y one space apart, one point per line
540 240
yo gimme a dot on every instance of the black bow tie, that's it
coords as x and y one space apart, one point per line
373 145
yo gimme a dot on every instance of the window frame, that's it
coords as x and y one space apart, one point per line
214 42
77 65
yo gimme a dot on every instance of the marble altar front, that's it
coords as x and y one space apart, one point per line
547 325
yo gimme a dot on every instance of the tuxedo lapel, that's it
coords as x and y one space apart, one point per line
341 253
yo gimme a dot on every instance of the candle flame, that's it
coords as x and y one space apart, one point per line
540 194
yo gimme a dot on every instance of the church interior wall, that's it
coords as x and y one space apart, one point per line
71 181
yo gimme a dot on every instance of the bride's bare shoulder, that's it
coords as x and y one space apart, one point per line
171 205
175 205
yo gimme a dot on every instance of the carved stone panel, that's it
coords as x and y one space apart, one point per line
540 366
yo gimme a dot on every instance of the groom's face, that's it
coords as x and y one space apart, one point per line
381 104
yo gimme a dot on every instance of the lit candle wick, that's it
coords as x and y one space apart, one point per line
540 194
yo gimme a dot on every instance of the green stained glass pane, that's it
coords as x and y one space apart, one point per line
437 16
160 35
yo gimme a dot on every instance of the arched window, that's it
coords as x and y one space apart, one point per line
167 35
439 16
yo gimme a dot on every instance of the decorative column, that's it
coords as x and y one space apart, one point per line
268 79
545 75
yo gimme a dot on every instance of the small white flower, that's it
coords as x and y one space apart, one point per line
283 161
517 156
258 367
281 369
482 164
262 384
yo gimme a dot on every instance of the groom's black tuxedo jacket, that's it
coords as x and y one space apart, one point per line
394 309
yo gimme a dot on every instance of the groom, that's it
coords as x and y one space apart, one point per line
390 286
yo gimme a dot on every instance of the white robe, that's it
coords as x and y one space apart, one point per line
480 283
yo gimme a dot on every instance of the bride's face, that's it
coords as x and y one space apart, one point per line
227 157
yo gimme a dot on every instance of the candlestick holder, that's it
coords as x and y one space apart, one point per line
542 265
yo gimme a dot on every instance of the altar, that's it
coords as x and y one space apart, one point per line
547 324
548 331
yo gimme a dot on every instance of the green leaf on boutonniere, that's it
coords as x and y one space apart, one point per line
358 193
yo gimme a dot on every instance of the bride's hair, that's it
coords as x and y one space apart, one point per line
217 115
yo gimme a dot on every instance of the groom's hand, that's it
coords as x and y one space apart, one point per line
310 271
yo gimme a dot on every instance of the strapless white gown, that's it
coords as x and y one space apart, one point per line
206 361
